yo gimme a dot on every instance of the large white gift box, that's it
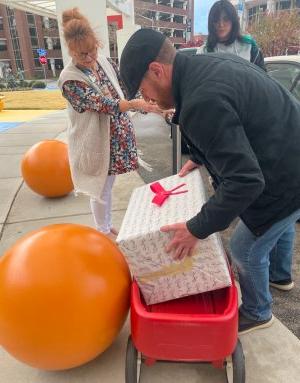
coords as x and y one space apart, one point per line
159 277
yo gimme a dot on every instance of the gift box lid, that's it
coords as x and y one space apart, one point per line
143 217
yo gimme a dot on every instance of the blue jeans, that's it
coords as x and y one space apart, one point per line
260 259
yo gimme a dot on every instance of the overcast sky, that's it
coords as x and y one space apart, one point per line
202 8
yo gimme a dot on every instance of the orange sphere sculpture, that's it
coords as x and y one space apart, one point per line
64 296
46 170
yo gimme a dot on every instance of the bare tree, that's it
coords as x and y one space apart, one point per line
277 33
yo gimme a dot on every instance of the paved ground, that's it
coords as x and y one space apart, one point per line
272 355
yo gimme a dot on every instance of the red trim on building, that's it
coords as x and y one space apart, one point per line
116 19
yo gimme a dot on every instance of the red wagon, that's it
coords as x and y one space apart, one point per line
198 328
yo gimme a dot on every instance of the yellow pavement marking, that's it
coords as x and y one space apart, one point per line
22 115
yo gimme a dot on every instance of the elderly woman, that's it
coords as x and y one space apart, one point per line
101 137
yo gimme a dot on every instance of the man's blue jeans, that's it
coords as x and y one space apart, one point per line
260 259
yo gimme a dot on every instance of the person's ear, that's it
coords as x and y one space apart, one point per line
156 70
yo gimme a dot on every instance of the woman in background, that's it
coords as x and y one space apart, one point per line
224 35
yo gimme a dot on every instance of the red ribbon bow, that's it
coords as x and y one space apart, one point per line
162 194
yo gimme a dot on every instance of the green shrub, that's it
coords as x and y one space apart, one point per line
30 83
23 84
12 83
38 85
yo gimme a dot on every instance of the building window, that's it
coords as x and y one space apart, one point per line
58 63
178 4
30 19
14 38
37 63
178 33
178 19
34 42
1 24
255 12
32 32
3 45
36 58
165 17
56 43
53 24
285 4
50 23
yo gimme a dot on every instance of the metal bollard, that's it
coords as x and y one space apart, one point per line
176 138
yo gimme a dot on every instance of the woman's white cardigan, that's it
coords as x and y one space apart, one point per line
89 135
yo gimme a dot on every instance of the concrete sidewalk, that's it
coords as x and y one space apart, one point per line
272 355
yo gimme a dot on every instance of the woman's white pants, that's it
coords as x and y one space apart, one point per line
102 211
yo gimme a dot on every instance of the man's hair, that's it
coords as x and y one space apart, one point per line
214 16
167 53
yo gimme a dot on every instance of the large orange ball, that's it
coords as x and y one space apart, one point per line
46 170
64 296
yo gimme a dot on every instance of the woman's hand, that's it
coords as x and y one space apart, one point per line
139 104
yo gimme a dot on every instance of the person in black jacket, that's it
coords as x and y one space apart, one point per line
245 128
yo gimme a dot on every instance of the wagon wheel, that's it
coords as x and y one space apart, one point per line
133 363
235 365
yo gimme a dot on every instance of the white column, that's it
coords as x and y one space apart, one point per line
95 11
241 12
129 27
49 43
52 64
271 6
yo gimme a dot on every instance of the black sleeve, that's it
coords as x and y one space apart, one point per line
257 57
217 130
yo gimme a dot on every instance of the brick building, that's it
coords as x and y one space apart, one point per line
174 18
21 35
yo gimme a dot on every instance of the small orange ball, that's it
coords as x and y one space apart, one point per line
64 296
46 170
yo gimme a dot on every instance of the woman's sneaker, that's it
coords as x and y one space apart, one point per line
247 325
285 285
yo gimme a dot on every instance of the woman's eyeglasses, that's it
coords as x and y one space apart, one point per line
85 55
222 20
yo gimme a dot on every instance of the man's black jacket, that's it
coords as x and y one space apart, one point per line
245 128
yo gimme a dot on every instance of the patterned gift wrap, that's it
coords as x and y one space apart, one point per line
159 277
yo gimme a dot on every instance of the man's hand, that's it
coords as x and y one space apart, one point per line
187 167
182 243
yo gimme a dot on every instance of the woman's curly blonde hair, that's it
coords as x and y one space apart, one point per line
78 31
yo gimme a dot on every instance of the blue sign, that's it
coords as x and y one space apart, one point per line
42 52
240 6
